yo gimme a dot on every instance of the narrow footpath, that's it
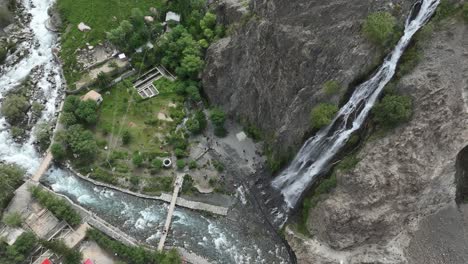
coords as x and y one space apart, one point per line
177 185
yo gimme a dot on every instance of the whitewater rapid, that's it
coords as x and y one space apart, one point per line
316 154
40 55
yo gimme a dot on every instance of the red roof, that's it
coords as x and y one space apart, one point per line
46 261
88 261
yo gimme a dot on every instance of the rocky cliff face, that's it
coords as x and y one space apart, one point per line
405 176
270 72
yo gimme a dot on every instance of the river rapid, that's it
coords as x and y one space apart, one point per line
218 239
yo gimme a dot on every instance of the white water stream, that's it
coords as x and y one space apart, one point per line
40 54
316 154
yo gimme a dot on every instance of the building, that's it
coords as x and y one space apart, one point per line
144 85
171 16
92 95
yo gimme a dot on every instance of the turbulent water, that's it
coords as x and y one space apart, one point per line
40 54
216 238
316 154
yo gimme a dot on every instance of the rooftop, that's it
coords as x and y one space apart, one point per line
172 16
92 95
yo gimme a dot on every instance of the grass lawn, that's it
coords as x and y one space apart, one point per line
123 110
99 15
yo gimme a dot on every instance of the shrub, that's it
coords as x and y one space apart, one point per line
14 108
103 80
180 164
218 166
126 137
322 115
13 219
188 186
180 153
380 28
392 110
137 160
157 164
192 164
331 87
42 134
17 132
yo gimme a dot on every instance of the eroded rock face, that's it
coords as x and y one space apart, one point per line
270 73
408 174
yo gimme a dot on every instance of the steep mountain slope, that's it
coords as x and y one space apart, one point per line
405 176
270 73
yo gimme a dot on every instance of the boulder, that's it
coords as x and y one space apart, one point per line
83 27
149 19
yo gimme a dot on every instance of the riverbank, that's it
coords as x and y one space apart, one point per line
164 197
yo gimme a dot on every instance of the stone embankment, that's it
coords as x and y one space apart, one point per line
164 197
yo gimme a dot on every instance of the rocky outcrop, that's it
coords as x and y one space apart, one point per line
405 176
270 71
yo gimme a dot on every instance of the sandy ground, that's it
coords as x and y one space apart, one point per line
92 251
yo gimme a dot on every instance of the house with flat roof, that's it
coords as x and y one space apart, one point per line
171 16
92 95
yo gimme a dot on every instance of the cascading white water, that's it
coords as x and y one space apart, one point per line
315 155
40 54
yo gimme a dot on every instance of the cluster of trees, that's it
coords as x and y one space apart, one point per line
77 140
61 209
11 177
19 251
135 32
68 255
197 123
135 255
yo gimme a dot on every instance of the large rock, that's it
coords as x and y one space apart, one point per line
270 72
406 175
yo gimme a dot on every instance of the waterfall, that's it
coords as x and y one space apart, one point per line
317 152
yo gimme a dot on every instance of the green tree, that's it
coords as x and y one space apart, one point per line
322 115
201 118
218 117
393 110
71 103
380 28
193 93
193 126
87 112
68 119
58 151
14 108
81 142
